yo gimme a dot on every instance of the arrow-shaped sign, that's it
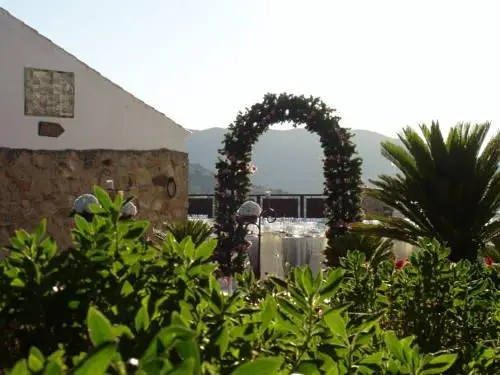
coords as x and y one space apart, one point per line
49 129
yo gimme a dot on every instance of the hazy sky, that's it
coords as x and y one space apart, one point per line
381 64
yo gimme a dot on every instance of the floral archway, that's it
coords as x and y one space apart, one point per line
342 170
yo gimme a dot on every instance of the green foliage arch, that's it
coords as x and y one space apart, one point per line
342 169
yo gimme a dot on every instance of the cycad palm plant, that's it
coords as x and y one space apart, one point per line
446 189
198 230
376 249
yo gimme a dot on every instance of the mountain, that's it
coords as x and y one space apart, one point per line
286 159
202 181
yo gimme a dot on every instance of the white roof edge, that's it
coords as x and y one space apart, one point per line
7 13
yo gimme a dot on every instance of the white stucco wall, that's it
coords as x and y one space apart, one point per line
106 116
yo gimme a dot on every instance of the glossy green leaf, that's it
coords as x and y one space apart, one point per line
73 305
206 249
35 360
136 230
334 370
177 319
119 201
122 330
269 365
185 311
40 230
367 324
279 282
169 334
362 339
372 361
142 319
184 337
223 340
100 328
308 368
53 368
393 346
307 280
216 299
337 325
57 356
410 355
98 362
20 368
185 368
16 243
292 311
18 283
188 348
127 289
103 197
188 247
439 364
23 236
268 311
154 366
81 224
332 283
11 272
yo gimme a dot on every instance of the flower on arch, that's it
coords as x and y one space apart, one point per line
251 168
401 263
245 246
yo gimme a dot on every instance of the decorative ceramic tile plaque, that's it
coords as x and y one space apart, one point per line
49 93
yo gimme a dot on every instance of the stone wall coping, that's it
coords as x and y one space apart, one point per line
129 151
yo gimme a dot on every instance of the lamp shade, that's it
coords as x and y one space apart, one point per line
249 209
83 202
129 210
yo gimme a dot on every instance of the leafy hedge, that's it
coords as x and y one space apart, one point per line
119 306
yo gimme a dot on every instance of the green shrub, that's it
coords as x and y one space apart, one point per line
446 306
113 305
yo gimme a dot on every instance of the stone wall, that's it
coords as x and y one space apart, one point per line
36 184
